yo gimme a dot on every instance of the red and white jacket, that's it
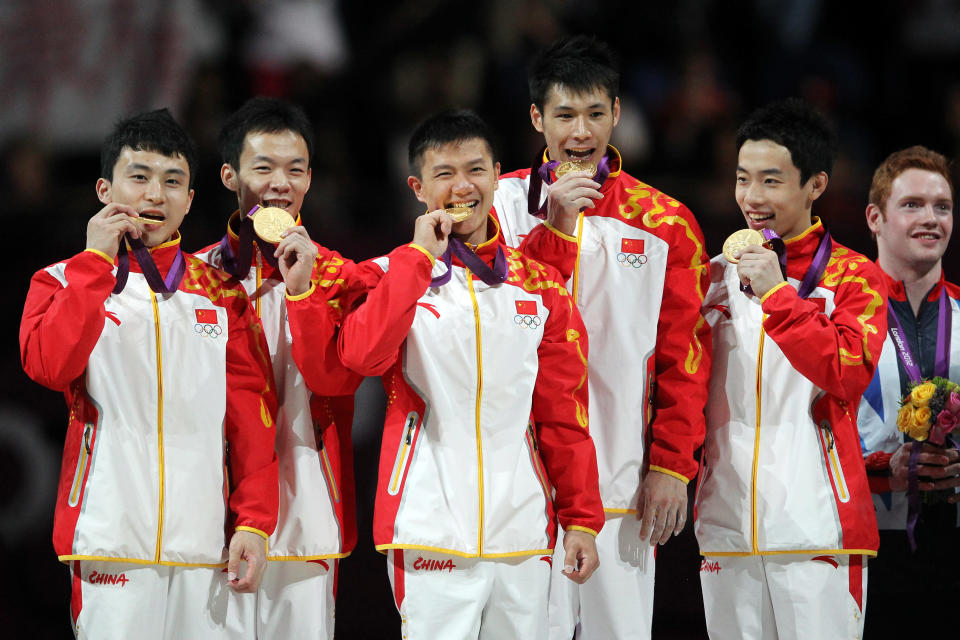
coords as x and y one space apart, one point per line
317 517
637 269
782 468
172 405
464 366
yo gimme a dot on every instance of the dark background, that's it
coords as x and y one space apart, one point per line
884 72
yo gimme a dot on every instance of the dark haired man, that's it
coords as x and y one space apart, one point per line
267 149
911 216
170 438
469 347
784 517
633 259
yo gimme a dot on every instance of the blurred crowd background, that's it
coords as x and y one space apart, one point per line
885 72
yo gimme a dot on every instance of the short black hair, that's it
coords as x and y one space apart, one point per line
451 125
579 63
155 131
794 124
262 115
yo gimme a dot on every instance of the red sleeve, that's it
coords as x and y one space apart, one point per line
682 355
878 471
314 316
61 325
560 412
836 353
549 245
373 332
250 420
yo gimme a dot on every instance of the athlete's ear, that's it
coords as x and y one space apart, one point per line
874 218
417 185
103 191
536 118
229 177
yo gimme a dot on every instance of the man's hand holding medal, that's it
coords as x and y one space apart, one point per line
574 190
757 266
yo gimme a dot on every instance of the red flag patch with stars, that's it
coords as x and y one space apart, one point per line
631 245
207 316
527 307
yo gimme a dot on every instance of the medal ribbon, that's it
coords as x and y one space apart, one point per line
471 261
941 368
541 172
239 265
157 283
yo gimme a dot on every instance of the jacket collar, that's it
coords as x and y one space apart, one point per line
897 291
487 250
163 255
805 244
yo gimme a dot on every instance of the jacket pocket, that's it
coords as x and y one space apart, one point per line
832 460
538 464
404 449
326 468
83 463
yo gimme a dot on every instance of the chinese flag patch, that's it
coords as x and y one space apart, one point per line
527 307
207 316
820 302
631 245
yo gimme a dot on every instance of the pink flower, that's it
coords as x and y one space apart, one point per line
946 422
953 403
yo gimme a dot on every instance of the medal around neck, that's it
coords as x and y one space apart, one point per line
270 222
568 167
740 240
459 212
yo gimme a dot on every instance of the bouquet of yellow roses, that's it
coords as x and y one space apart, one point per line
930 411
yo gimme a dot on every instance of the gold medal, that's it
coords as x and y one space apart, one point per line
459 212
739 240
270 222
566 167
143 220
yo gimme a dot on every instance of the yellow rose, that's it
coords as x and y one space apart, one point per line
921 417
905 417
922 393
918 432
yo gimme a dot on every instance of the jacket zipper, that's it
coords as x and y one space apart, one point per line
156 321
403 450
756 444
476 322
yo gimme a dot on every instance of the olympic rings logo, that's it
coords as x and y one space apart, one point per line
635 260
207 330
527 322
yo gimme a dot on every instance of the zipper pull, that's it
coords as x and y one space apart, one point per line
825 425
86 438
410 424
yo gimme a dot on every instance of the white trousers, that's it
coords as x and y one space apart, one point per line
784 597
120 600
616 603
296 599
444 596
